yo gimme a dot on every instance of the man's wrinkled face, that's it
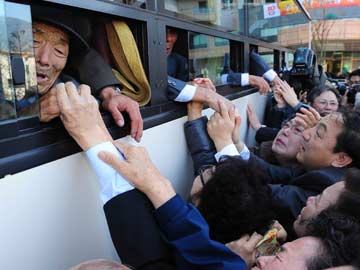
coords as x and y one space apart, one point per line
171 37
317 149
326 103
316 204
287 142
51 46
293 255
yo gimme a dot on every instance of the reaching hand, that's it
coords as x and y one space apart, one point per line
245 247
252 117
260 83
80 115
302 95
307 118
139 170
116 103
49 108
281 103
221 125
195 107
235 136
287 93
205 83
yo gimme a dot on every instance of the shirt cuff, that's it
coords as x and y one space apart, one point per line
270 75
111 182
229 150
244 79
186 94
224 78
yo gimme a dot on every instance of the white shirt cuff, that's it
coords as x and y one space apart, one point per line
111 182
244 79
231 150
186 94
224 79
270 75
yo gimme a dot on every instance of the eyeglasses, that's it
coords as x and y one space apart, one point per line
206 172
326 102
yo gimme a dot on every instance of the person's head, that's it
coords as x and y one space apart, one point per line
324 99
299 254
343 196
286 144
51 46
171 38
334 141
234 200
341 236
354 77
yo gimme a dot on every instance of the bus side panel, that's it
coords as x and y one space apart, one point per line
52 216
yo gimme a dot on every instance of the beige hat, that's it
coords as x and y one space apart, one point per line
127 59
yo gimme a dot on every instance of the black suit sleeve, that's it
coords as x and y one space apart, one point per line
200 145
135 233
278 174
258 65
174 88
91 69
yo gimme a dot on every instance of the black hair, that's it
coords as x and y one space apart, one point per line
355 72
348 140
349 199
236 200
318 90
340 239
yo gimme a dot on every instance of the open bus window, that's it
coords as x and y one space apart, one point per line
177 53
267 55
209 57
22 60
225 13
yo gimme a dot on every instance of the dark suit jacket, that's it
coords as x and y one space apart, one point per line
135 232
177 67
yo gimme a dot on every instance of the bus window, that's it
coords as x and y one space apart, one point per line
225 13
23 67
209 57
7 109
268 55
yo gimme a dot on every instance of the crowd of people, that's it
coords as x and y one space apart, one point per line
292 202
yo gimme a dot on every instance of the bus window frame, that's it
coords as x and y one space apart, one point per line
30 143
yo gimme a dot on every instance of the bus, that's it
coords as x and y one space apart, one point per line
51 214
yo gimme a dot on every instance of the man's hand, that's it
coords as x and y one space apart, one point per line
260 83
139 170
116 103
245 248
80 115
221 125
307 118
49 108
287 92
194 107
281 103
252 117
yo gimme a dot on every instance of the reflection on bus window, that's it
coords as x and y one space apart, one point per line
7 109
19 32
268 55
224 13
209 57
